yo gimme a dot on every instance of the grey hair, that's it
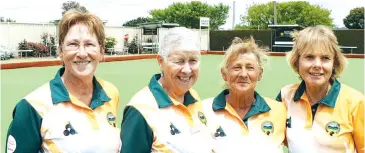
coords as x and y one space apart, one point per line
179 38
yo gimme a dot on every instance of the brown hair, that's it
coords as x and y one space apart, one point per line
319 39
74 17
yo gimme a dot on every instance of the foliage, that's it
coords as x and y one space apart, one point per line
135 22
72 5
293 12
133 46
49 41
110 42
355 20
2 19
39 49
188 14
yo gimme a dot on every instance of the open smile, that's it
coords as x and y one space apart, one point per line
81 62
184 78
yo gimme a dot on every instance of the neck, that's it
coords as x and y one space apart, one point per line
81 88
241 101
316 93
177 95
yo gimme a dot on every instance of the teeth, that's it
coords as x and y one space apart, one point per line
316 74
82 62
185 79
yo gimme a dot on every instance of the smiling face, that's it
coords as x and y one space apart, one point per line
315 67
243 73
180 70
80 51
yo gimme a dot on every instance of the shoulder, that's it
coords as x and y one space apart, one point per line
107 86
275 105
351 95
289 88
143 97
194 93
40 99
287 92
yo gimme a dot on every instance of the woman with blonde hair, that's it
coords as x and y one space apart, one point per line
239 118
324 115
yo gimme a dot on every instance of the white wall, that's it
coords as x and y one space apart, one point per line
13 33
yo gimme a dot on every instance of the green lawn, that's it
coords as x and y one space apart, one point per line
130 76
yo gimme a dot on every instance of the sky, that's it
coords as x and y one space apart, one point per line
116 12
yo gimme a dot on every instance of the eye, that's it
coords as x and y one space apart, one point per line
72 44
326 58
237 68
250 67
309 57
179 61
193 61
90 44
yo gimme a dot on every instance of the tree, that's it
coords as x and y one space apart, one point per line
72 5
355 20
294 12
2 19
188 14
135 22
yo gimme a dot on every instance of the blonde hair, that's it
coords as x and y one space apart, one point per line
73 17
317 39
240 46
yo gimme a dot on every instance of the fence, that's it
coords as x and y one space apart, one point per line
13 33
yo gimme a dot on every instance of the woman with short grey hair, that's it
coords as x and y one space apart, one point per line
165 116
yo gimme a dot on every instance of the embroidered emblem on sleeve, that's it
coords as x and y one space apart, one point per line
11 146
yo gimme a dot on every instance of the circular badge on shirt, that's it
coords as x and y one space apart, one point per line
111 119
332 128
267 127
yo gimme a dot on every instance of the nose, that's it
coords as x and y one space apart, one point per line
243 73
317 63
186 68
82 52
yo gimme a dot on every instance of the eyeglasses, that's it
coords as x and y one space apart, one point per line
74 46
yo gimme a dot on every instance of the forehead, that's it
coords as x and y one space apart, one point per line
318 49
183 53
78 31
248 57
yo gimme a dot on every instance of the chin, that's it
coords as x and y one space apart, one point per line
316 82
83 74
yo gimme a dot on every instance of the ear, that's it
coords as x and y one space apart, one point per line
224 75
102 53
260 74
60 52
160 61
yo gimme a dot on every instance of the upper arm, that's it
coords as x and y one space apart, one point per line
358 124
136 134
24 131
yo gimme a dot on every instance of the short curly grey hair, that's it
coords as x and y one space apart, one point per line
179 38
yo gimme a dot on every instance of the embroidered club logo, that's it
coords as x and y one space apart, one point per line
111 119
333 128
219 132
69 130
267 127
173 129
202 118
